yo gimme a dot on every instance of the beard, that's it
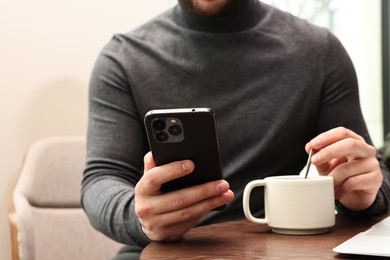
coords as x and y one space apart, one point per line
210 8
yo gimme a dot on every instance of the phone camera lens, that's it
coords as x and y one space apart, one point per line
175 130
162 137
159 124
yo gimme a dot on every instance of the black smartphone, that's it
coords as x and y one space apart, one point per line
180 134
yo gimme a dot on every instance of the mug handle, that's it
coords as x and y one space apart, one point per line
246 199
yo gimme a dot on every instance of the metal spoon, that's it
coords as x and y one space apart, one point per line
308 163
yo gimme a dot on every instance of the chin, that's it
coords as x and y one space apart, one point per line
208 7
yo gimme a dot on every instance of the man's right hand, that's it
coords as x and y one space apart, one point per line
167 216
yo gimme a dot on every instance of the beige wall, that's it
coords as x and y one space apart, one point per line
47 50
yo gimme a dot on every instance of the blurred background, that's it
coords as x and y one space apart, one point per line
48 48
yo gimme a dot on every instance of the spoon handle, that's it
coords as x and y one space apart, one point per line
308 163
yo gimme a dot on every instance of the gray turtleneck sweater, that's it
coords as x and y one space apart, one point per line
273 80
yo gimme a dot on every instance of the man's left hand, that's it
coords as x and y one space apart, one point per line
352 163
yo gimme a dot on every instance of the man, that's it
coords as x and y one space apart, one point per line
279 87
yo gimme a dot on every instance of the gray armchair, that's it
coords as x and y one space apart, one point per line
46 218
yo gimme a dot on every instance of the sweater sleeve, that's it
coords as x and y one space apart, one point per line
115 149
340 106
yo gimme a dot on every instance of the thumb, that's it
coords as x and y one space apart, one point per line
148 162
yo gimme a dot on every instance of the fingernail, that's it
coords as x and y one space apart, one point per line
186 166
228 196
222 187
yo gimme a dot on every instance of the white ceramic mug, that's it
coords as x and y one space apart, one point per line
294 205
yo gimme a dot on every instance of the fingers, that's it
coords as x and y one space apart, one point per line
325 168
180 199
345 171
168 216
167 226
154 177
336 143
332 136
345 156
359 192
349 148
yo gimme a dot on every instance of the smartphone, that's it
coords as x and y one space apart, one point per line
180 134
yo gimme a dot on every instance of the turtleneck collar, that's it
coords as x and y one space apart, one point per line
245 16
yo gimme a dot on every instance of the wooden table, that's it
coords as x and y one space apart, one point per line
245 240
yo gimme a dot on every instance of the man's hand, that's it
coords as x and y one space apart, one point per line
352 162
167 216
